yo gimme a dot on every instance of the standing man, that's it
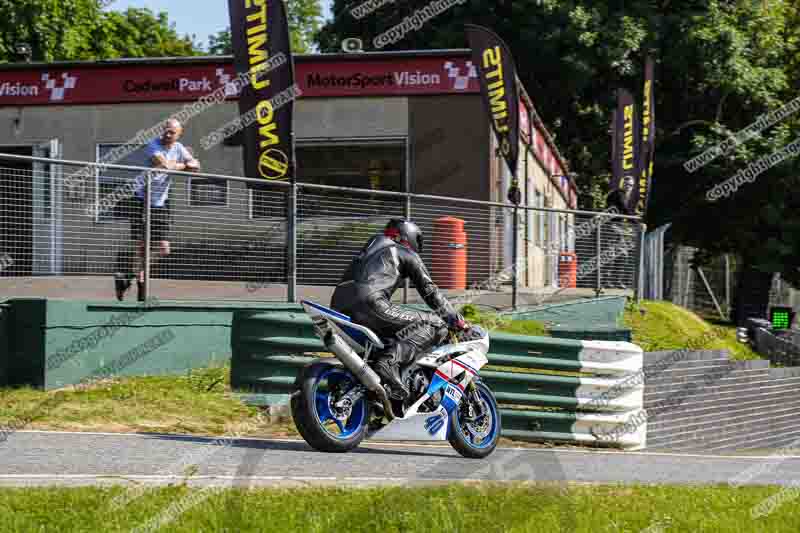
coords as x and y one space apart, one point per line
162 153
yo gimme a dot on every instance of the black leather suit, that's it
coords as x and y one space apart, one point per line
366 290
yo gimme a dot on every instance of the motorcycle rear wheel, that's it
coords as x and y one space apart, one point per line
314 412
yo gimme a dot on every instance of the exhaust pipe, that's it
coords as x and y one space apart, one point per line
359 368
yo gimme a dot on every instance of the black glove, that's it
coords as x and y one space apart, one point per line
456 322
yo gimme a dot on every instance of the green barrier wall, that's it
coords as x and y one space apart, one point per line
5 341
595 334
53 343
540 382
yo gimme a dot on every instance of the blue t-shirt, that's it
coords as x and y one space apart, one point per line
159 182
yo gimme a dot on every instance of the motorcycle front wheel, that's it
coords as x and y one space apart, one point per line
472 437
323 424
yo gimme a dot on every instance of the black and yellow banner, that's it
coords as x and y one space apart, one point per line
648 138
626 155
498 80
260 31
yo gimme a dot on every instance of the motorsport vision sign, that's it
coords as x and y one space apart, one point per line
259 31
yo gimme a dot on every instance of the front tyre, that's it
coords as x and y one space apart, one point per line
475 437
324 425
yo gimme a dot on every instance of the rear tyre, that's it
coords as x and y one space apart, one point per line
319 421
478 438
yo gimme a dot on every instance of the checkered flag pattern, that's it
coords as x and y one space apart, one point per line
460 80
57 92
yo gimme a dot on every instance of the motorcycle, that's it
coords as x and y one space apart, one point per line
338 402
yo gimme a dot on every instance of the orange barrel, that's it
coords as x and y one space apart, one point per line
568 270
449 250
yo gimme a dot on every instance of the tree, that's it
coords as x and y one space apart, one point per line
54 29
140 33
304 23
220 44
719 65
747 77
79 29
305 17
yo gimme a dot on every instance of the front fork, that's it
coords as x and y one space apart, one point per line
476 406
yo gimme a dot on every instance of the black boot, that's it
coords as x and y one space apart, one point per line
140 290
387 368
121 285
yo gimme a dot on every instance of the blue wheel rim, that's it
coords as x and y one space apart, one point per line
358 415
493 430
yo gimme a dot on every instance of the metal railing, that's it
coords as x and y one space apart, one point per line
281 241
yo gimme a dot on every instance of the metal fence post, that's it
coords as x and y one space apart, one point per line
639 275
515 260
728 285
147 220
407 214
291 245
597 289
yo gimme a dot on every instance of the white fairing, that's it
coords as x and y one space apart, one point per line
476 356
418 426
415 427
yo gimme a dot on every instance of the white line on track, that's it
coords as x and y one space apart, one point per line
419 445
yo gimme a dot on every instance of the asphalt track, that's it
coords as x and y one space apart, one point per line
57 458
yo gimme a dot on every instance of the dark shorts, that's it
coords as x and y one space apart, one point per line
160 218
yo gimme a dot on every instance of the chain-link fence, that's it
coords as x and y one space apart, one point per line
709 290
65 232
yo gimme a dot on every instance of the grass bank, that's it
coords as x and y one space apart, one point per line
660 325
200 402
494 322
485 507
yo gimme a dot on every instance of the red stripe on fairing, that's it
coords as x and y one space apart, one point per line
444 377
465 367
448 380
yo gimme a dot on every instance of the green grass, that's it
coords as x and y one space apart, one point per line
494 322
484 508
660 325
198 402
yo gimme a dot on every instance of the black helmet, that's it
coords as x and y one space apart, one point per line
405 230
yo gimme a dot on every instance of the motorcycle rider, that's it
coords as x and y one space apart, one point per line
365 294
